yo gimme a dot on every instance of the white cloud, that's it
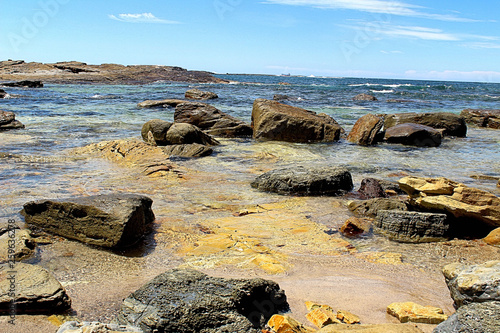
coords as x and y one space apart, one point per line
420 33
140 18
449 75
372 6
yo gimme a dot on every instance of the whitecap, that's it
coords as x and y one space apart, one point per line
382 91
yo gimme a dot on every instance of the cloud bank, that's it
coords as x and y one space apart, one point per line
140 18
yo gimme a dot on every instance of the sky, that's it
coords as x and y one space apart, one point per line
449 40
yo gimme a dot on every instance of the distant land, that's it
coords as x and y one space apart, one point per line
81 73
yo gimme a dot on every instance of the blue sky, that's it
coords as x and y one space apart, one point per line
407 39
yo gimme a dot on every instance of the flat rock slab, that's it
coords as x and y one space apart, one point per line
96 327
482 117
114 220
411 227
413 135
306 181
416 313
371 207
185 300
380 328
200 95
473 318
36 290
15 245
473 283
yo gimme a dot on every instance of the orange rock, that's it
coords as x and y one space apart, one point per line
493 237
321 317
347 317
286 324
416 313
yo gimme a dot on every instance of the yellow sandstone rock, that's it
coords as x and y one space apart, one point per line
347 317
416 313
321 317
381 328
286 324
313 305
493 237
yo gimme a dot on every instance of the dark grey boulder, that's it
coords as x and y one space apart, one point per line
411 227
113 220
473 318
185 300
413 135
371 207
300 180
451 124
365 97
24 84
3 93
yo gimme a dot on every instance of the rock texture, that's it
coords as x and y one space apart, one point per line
305 181
287 324
23 84
444 195
355 226
162 133
200 95
473 318
161 103
493 237
15 245
211 120
155 132
8 121
114 220
411 227
79 72
413 135
473 283
365 97
451 124
96 327
190 301
371 207
280 122
366 131
188 150
482 117
416 313
377 188
36 290
380 328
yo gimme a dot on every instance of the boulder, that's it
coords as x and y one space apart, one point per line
355 226
280 122
376 328
15 245
160 103
482 118
8 121
378 188
320 317
24 84
300 180
472 318
371 207
287 324
347 317
416 313
200 95
447 196
188 150
280 98
411 227
185 300
113 220
364 97
413 135
211 120
158 129
3 93
493 237
36 290
473 283
451 124
182 133
366 130
91 327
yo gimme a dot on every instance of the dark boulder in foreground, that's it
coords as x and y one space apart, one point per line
36 291
449 123
413 135
472 318
200 95
211 120
482 117
3 93
365 97
24 84
280 122
113 220
8 121
306 181
366 131
411 227
185 300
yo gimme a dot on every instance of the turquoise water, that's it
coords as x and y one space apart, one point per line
61 117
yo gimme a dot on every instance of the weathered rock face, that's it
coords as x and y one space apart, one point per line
378 188
355 226
182 133
190 301
188 150
89 327
285 323
211 120
493 237
473 318
371 207
200 95
21 245
8 121
280 122
482 118
364 97
158 129
416 313
411 227
473 283
115 220
413 135
36 290
24 84
305 181
380 328
444 195
451 124
366 130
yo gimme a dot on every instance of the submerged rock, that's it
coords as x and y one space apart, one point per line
451 124
306 181
211 120
36 290
411 227
355 226
113 220
199 94
366 130
473 283
472 318
416 313
482 117
413 135
280 122
160 103
365 97
185 300
24 84
8 121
